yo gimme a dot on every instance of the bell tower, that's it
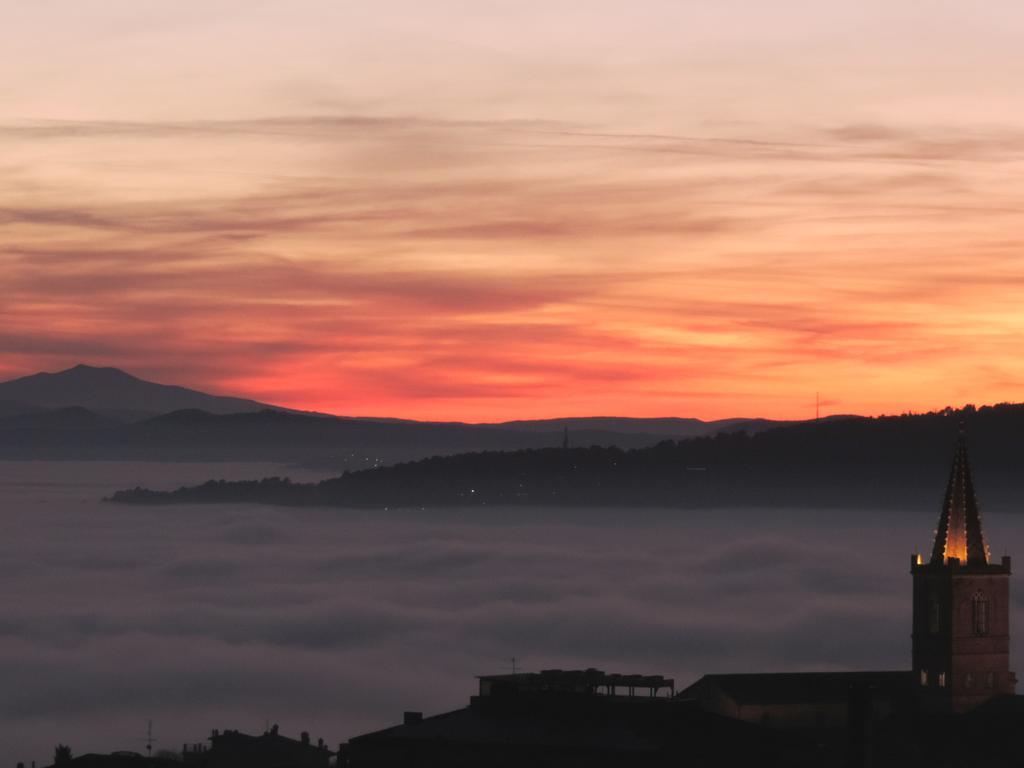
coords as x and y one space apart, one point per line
961 621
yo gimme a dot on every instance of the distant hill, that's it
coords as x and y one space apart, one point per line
668 426
886 462
105 413
14 408
60 420
112 391
266 435
664 427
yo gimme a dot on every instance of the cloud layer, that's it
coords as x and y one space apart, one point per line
335 622
489 269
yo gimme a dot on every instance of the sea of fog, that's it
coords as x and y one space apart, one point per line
335 621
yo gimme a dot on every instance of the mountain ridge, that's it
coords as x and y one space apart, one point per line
267 435
135 418
891 462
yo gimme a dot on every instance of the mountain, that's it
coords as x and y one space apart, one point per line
663 427
894 463
71 419
112 391
267 435
14 408
105 413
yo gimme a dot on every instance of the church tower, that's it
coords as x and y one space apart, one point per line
961 623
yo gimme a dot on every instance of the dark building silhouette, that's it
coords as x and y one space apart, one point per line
232 749
226 749
802 700
122 759
575 718
961 625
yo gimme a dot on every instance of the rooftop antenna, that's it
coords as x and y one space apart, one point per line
150 741
515 666
817 405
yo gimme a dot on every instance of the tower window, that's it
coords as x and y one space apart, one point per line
969 680
981 612
934 616
942 679
990 679
924 677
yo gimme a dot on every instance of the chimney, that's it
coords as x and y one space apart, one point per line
305 737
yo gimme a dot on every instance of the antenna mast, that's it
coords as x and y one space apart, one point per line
149 738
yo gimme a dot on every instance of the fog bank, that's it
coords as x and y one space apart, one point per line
335 621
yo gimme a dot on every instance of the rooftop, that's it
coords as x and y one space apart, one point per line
799 687
588 681
596 730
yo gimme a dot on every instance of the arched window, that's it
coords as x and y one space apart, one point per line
980 612
968 680
924 677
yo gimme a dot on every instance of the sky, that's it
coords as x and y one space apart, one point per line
491 210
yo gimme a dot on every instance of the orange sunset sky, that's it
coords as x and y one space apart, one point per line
492 210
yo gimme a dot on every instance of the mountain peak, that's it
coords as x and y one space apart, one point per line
86 367
107 388
91 370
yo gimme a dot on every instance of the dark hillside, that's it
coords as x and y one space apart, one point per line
888 462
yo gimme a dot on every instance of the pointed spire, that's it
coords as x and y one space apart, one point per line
959 534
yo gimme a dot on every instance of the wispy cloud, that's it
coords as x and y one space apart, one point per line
482 269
